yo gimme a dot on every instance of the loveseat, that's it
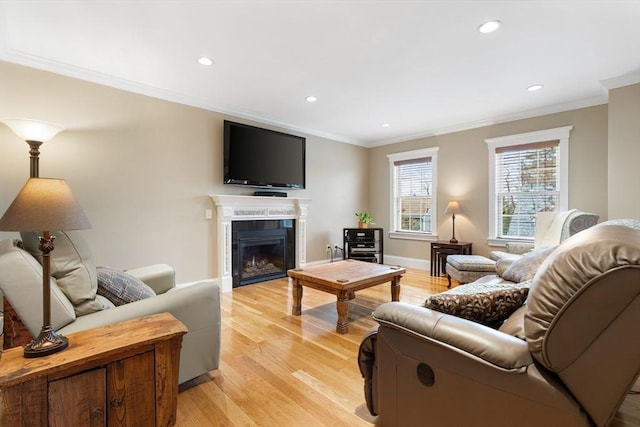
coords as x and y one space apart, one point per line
567 357
77 305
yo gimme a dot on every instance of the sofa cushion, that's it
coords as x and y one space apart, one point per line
21 284
514 325
120 288
471 263
525 268
73 267
486 303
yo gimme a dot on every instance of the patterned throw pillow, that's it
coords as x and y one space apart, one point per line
120 287
525 268
488 305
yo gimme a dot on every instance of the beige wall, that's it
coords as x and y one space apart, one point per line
143 169
463 175
624 152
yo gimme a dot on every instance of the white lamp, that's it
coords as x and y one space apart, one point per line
35 132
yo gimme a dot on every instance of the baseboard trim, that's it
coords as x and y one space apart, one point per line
418 264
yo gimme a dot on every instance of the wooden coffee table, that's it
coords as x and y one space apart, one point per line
343 279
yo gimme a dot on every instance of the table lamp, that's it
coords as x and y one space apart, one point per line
452 208
45 205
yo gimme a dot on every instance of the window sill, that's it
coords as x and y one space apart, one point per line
501 243
404 235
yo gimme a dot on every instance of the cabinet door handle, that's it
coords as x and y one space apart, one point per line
115 402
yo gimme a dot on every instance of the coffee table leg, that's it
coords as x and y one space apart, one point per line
395 288
342 327
296 310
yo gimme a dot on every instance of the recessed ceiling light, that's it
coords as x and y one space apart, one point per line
533 88
203 60
489 26
311 98
385 125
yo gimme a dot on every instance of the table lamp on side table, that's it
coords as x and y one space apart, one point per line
44 205
452 208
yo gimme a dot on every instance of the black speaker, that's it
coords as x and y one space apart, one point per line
270 193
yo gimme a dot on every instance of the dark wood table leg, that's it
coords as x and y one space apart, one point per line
296 309
342 306
395 288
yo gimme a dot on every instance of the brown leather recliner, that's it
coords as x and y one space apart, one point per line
577 357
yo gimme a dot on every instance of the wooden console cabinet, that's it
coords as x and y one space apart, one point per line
125 374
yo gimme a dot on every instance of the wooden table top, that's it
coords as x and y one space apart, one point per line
348 272
90 345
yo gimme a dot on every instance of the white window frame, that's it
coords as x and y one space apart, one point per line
431 152
562 135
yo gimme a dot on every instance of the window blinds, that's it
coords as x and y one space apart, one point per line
413 194
527 182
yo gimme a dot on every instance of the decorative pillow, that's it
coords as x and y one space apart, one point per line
486 304
73 267
525 268
120 287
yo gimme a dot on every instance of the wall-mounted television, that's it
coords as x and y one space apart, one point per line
263 158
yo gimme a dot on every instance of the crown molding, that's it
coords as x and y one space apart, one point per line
621 81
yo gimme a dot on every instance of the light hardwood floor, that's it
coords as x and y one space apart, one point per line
283 370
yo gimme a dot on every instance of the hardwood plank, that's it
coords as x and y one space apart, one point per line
282 370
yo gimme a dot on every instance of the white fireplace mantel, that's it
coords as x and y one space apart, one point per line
247 208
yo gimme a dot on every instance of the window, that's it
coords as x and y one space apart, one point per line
528 174
413 193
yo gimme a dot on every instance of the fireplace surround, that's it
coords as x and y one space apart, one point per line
230 209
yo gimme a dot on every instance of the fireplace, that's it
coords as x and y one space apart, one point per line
237 210
261 250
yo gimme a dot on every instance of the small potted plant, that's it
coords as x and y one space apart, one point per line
364 219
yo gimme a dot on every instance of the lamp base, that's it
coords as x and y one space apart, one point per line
48 342
454 240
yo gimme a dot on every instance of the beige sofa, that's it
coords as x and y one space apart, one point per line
568 357
196 305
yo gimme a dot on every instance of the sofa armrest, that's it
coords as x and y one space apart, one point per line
196 305
465 336
159 277
192 305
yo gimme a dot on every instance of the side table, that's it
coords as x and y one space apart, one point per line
440 250
125 374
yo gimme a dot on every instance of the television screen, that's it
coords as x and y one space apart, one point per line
263 158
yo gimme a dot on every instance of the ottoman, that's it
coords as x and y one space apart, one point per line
468 268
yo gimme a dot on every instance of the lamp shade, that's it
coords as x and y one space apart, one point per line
452 208
32 130
44 204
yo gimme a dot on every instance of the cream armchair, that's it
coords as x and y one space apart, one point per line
196 305
566 358
552 228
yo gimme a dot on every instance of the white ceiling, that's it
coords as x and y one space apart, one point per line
419 65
